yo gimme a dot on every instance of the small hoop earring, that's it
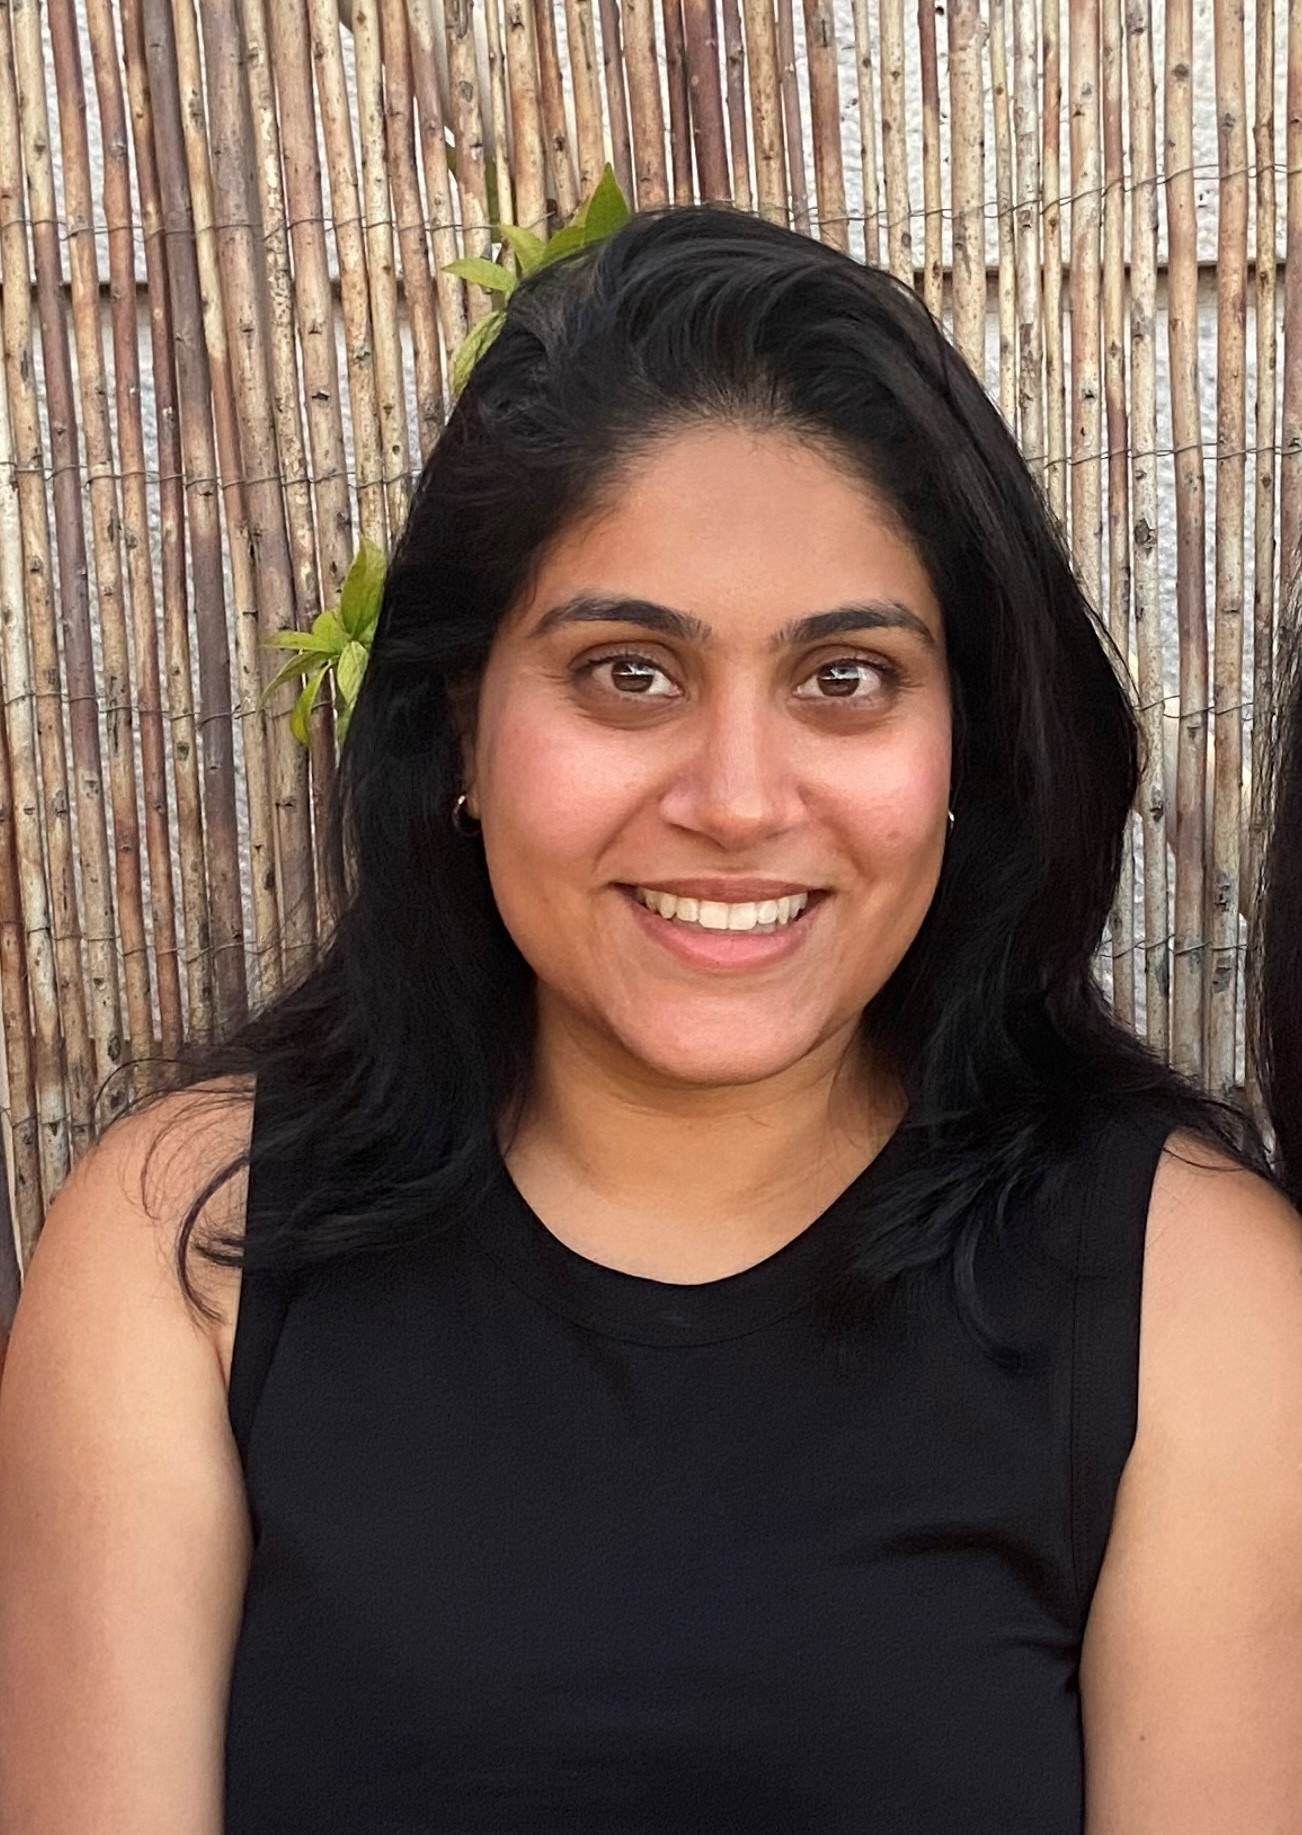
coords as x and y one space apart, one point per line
950 813
459 820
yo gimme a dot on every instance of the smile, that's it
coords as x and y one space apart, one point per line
763 916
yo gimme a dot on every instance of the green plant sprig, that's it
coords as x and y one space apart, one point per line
595 218
338 645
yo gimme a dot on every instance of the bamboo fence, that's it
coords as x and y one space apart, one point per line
228 333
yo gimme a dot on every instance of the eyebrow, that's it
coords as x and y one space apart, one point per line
604 608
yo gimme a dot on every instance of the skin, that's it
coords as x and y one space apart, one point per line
738 1090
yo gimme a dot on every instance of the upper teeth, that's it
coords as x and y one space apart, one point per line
714 914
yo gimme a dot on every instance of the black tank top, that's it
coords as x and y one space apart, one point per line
542 1546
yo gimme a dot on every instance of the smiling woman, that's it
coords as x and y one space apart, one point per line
721 1328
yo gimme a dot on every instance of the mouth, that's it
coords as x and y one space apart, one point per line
754 917
718 936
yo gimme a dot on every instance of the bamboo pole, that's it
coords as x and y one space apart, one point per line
32 689
680 107
135 520
65 463
646 109
101 484
766 109
1190 522
825 122
378 228
793 131
612 66
1004 208
1290 469
895 157
438 184
701 32
1086 377
250 455
18 1122
197 945
967 181
1121 924
735 65
1026 122
1231 469
21 1049
202 388
529 167
468 129
585 88
1264 438
933 207
499 139
560 159
350 251
24 908
288 425
314 309
865 90
1055 465
417 281
1147 594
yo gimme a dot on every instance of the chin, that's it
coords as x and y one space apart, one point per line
717 1062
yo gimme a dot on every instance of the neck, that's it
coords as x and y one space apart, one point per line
686 1182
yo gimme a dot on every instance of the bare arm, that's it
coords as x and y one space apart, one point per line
1191 1674
124 1537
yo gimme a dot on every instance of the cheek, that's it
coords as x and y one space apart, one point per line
896 808
549 804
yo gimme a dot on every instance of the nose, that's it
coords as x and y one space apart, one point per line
738 785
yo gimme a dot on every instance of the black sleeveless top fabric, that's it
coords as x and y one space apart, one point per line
542 1546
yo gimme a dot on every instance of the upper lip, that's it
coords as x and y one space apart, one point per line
727 891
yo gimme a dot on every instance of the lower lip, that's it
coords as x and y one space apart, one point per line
725 949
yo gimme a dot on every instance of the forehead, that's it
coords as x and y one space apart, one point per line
744 528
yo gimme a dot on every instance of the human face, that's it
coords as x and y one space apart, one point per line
673 708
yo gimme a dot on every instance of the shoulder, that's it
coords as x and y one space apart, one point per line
1222 1279
1194 1640
116 1219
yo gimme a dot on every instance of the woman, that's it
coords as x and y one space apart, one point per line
732 1335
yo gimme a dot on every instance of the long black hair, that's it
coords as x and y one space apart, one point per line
385 1072
1275 977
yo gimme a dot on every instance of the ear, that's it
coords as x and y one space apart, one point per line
463 707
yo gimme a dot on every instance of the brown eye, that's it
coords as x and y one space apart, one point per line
631 676
848 678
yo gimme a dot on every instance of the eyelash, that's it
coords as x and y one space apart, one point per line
889 674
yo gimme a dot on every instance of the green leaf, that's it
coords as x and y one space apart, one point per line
472 346
527 247
349 671
606 209
296 667
307 641
481 273
359 597
303 706
563 242
326 625
341 725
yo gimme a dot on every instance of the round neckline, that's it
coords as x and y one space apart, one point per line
636 1307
